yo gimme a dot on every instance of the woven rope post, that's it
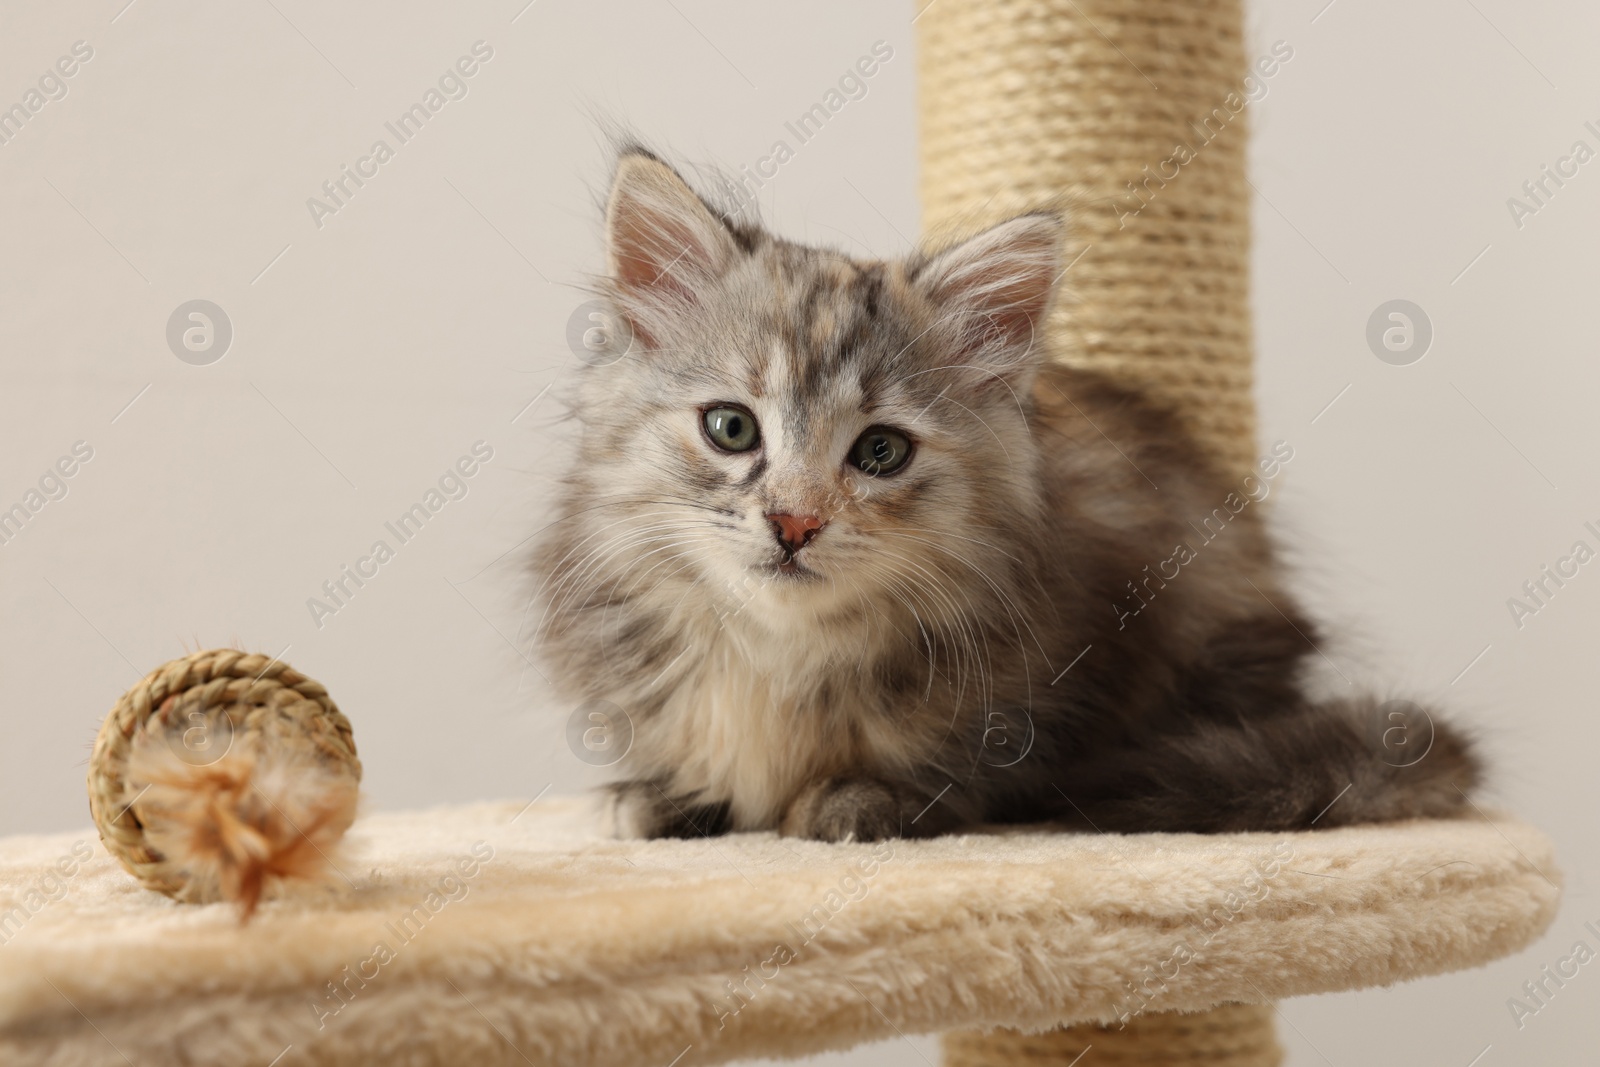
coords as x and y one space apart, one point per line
1128 114
1131 113
206 728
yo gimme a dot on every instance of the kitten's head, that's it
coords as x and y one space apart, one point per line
792 431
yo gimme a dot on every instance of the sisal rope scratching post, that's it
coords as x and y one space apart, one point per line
220 773
1077 103
1024 102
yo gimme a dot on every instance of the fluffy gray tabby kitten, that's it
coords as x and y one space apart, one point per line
838 529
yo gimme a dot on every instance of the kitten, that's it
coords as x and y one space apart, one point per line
858 561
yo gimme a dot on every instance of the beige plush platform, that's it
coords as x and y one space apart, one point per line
566 948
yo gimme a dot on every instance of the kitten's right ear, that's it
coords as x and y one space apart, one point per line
661 239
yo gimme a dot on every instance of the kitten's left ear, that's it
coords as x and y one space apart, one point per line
661 238
995 289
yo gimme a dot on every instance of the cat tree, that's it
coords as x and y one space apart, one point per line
512 933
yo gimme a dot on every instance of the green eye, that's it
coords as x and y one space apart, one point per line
731 429
881 450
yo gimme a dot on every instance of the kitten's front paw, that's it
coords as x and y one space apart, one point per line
854 809
643 809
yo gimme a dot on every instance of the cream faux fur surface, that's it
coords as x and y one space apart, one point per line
497 934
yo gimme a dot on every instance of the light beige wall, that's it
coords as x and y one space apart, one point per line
429 311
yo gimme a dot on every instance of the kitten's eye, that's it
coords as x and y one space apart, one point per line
731 429
881 450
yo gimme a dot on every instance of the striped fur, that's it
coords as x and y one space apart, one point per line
911 676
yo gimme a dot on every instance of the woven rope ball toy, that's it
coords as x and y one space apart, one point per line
221 773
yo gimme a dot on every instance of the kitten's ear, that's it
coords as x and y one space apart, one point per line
660 237
995 288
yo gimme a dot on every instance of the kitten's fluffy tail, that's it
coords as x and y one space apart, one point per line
1323 765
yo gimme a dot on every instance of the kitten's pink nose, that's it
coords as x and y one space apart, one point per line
794 531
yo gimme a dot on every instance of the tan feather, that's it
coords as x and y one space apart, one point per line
236 825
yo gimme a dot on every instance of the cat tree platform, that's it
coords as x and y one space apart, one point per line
510 934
